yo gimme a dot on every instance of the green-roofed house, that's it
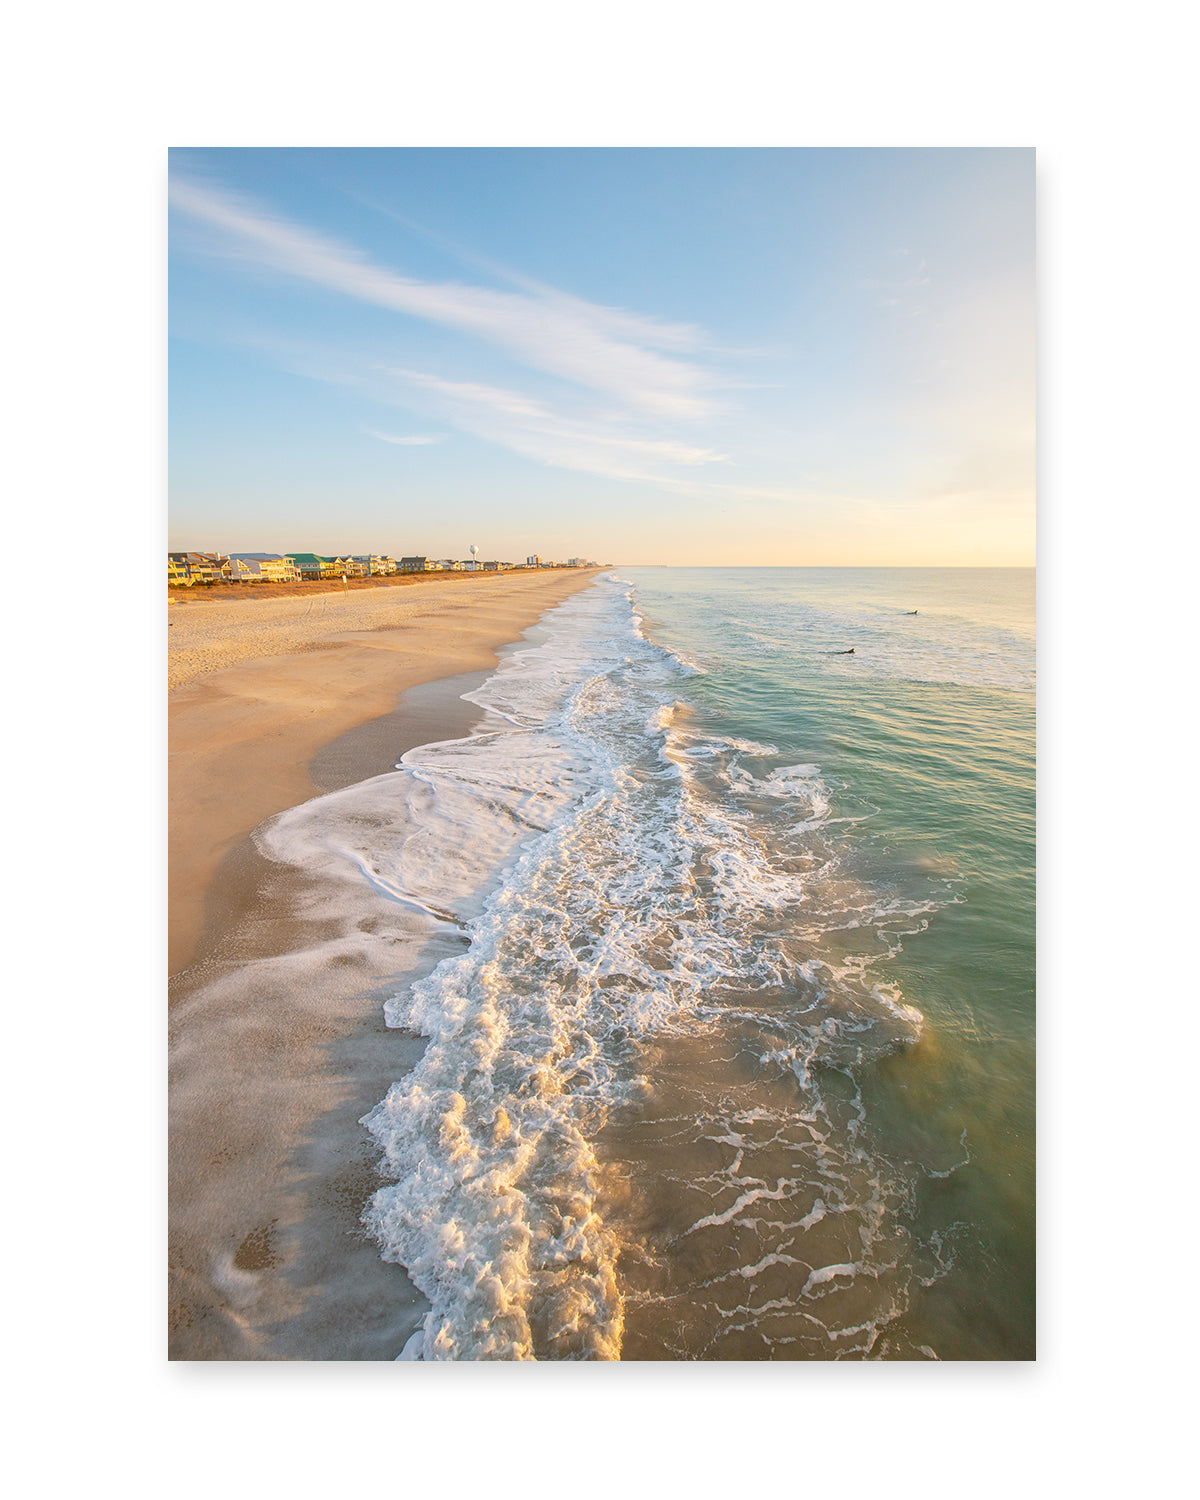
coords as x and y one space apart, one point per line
308 565
312 567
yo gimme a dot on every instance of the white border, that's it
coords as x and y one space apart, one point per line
101 95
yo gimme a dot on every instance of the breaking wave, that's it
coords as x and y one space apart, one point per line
637 1113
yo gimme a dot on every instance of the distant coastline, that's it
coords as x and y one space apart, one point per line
231 591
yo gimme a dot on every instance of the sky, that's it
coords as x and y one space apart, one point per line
780 356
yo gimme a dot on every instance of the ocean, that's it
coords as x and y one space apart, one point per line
721 997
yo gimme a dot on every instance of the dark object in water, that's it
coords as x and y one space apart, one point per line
910 611
850 652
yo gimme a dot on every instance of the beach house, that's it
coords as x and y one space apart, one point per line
191 568
312 566
262 567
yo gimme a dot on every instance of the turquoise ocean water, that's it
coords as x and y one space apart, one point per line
924 740
717 947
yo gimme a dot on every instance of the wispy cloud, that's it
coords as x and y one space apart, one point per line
595 444
603 349
415 440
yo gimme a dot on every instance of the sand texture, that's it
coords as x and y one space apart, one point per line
274 1059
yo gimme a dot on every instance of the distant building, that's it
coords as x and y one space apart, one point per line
187 569
311 566
265 567
191 568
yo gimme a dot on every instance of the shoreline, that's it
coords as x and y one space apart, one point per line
257 696
276 1054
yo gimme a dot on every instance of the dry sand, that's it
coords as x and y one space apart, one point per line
273 1066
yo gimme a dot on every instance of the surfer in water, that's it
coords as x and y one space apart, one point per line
850 652
910 611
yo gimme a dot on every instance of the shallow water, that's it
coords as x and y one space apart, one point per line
924 740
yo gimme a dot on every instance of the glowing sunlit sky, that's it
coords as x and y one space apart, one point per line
690 356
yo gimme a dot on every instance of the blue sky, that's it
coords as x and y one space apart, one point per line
698 356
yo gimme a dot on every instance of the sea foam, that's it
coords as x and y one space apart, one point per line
613 873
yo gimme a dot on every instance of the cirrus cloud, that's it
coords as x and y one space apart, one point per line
603 349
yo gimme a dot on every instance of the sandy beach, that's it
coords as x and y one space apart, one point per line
273 702
258 687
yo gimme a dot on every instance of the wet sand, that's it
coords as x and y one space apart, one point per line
269 1168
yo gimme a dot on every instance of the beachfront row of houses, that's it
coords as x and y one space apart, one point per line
187 569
